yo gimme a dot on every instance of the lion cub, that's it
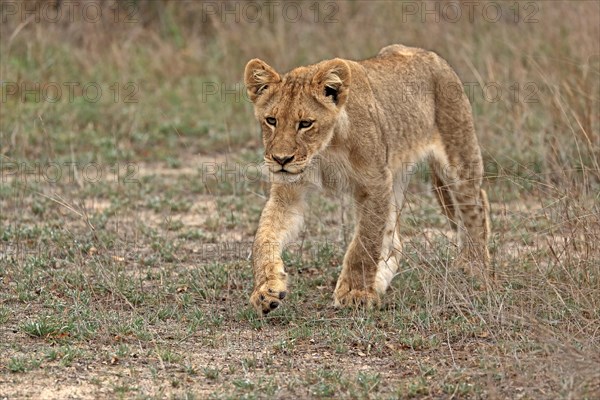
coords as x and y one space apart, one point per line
360 126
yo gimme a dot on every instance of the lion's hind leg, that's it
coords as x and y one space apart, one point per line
443 193
457 183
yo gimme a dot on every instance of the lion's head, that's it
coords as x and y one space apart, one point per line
297 111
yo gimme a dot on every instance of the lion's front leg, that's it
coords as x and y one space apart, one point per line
279 222
356 284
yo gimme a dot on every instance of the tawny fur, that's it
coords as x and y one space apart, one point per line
372 120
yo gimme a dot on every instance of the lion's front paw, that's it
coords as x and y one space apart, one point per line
268 296
346 297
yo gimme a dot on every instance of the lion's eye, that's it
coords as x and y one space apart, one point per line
305 124
271 121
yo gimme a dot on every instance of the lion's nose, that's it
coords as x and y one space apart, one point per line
282 160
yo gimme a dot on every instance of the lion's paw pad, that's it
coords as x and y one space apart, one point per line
268 297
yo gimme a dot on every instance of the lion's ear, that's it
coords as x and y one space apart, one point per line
333 80
258 76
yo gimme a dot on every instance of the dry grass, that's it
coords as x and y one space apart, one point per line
135 284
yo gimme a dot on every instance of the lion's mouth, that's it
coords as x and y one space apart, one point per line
287 170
